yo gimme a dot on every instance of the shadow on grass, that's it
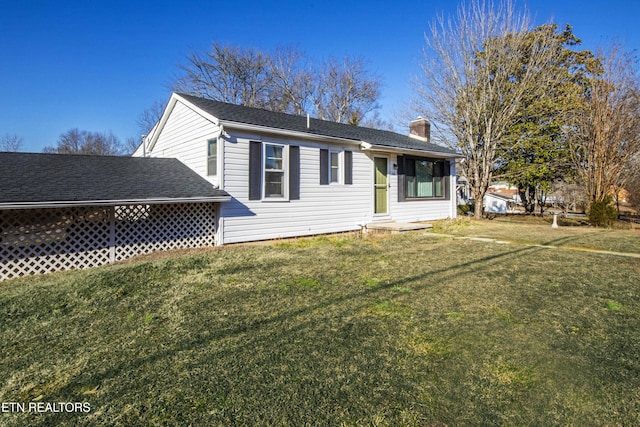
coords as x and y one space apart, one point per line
204 340
563 240
251 346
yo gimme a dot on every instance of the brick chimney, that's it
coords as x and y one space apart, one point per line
420 128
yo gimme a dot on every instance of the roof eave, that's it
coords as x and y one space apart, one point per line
76 203
228 124
365 146
159 127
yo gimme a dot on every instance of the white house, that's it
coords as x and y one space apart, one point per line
498 203
292 176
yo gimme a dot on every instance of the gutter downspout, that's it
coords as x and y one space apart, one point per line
219 214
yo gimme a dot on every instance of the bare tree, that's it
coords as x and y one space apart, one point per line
75 141
633 184
285 81
149 117
605 137
10 142
131 145
467 85
569 196
146 121
345 91
291 77
228 74
373 120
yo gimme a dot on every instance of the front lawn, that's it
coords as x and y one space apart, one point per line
402 330
535 230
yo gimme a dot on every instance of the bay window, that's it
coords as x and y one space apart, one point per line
422 178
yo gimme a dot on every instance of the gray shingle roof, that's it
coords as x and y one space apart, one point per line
42 178
259 117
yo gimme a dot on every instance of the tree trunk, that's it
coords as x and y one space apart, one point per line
477 208
527 198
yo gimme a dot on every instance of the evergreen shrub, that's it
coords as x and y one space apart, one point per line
603 213
463 209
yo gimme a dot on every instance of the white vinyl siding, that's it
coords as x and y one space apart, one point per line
185 137
321 208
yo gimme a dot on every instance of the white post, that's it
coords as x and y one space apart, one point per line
555 221
112 234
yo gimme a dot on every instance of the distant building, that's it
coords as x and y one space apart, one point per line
497 203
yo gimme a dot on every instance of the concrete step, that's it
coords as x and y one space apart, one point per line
397 227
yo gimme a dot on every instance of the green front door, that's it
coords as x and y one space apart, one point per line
381 185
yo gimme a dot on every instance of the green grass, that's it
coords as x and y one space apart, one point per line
402 330
538 231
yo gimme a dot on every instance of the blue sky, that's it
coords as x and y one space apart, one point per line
96 65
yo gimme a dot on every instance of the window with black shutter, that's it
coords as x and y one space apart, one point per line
422 178
274 171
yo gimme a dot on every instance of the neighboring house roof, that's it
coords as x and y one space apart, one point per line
50 180
230 113
499 197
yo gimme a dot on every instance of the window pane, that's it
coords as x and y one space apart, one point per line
411 186
437 186
438 179
273 157
212 165
335 176
212 147
212 157
424 177
274 184
335 167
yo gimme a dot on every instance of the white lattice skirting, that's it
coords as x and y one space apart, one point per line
36 241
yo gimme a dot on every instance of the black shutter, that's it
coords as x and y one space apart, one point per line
401 180
255 170
447 179
348 167
324 166
294 172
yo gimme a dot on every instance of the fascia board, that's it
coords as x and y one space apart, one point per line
284 132
198 110
157 130
76 203
383 148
